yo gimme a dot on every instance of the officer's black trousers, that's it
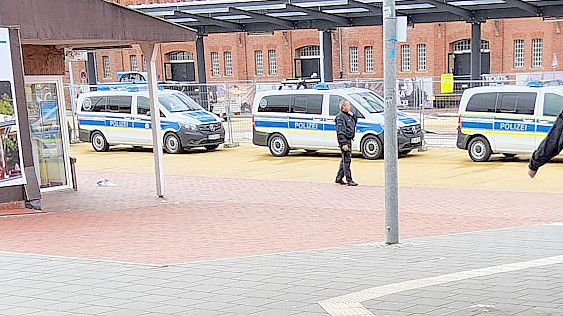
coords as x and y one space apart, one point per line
344 170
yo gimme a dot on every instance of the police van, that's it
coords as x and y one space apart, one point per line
122 117
507 120
291 119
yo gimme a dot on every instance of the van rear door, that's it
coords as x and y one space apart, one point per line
306 121
515 122
551 107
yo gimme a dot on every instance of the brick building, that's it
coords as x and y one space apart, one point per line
508 46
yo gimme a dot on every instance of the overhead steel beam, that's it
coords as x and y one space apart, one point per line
444 6
339 20
526 6
209 21
372 8
263 18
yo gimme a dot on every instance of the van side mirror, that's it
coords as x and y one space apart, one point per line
148 113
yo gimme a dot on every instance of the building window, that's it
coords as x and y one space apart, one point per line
310 51
259 60
144 63
537 52
464 46
133 62
354 60
215 64
405 58
107 67
421 57
368 54
228 56
181 56
272 62
518 53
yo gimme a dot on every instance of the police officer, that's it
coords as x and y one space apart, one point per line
345 132
550 147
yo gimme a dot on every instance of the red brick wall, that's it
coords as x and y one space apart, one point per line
438 37
43 60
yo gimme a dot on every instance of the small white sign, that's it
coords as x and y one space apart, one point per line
402 23
72 55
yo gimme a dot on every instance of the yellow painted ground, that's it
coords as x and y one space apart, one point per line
436 168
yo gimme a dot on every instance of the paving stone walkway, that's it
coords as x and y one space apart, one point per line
293 283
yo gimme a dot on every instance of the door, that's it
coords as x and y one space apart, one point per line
180 71
142 122
49 131
119 120
305 121
552 105
306 67
515 123
462 64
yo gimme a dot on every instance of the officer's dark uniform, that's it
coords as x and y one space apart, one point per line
345 131
550 147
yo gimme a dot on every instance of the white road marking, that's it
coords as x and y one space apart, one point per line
351 304
555 224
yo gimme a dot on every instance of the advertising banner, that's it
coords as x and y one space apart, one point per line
11 166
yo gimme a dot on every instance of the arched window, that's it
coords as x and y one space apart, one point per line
181 56
464 46
310 51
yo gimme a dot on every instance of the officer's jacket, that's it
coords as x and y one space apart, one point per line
550 147
345 127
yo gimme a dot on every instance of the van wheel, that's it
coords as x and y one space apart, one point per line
278 146
372 148
172 144
479 149
99 142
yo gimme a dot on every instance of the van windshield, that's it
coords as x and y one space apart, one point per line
178 102
369 101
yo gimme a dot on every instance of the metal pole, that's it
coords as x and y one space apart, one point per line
152 51
74 135
201 72
475 53
322 62
327 56
390 128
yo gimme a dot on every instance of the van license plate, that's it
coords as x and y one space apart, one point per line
214 137
415 140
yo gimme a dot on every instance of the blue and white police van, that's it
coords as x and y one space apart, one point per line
290 119
122 117
507 120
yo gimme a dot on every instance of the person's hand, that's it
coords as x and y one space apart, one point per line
532 173
345 148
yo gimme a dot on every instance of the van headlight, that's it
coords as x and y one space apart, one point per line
191 127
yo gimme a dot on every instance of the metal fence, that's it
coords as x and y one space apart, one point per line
422 98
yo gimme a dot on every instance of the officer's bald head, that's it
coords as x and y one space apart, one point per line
345 106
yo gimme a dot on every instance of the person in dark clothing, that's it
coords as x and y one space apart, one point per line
345 132
550 147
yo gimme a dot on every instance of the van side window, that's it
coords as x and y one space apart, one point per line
119 104
309 104
517 102
552 104
275 103
94 104
334 106
482 102
144 106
